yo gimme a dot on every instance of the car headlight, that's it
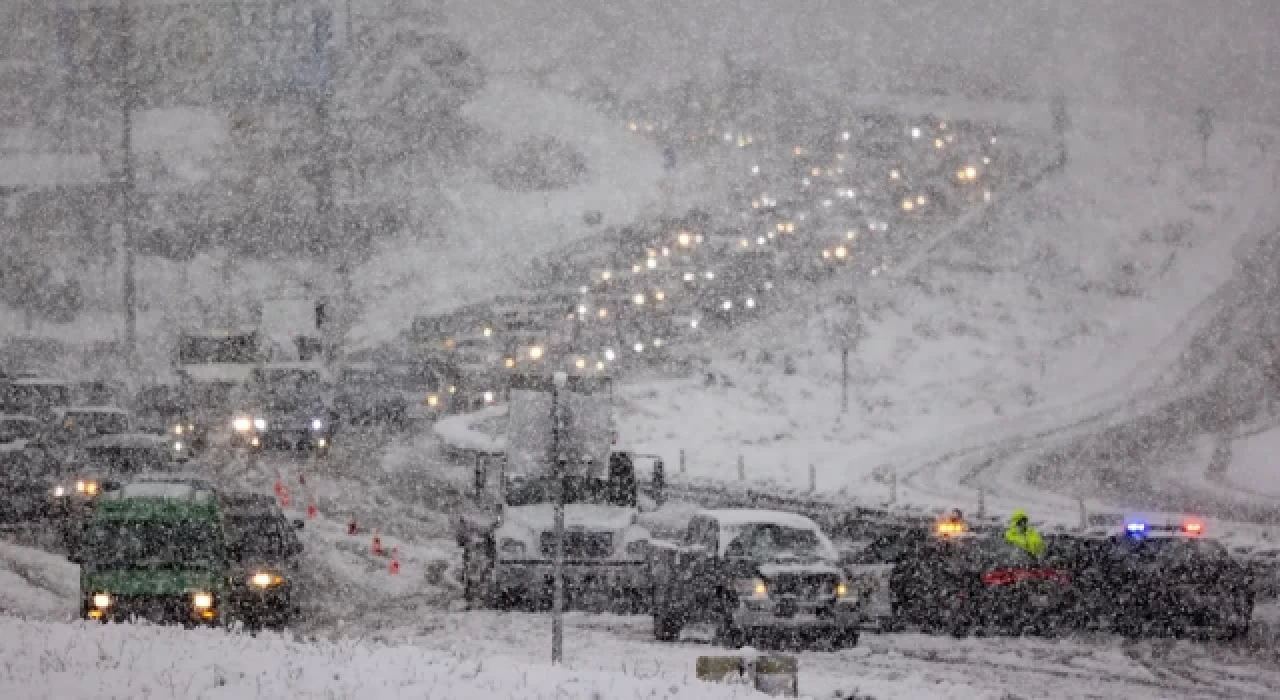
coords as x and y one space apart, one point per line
202 601
101 600
511 547
259 424
842 590
638 549
317 424
177 446
80 486
433 400
265 579
59 491
754 588
488 397
178 429
242 425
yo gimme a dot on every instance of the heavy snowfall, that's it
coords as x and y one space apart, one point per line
672 349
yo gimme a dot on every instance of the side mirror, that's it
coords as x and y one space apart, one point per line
299 524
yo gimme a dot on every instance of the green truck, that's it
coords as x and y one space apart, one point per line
154 551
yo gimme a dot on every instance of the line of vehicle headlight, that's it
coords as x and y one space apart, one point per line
84 487
758 589
244 425
201 602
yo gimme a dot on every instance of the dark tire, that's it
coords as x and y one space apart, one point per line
846 639
666 625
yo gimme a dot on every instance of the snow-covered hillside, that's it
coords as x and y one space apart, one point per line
1077 287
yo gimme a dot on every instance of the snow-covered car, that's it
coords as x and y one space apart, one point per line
753 573
287 406
35 396
263 547
16 429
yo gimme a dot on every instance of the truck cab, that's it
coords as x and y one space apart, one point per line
154 551
750 573
605 550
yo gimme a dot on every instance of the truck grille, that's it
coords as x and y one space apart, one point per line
579 545
155 608
804 586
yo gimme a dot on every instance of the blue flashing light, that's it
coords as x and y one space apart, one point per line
1135 528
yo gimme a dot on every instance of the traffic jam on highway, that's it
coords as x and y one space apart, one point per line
121 481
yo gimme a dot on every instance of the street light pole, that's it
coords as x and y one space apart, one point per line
128 182
559 379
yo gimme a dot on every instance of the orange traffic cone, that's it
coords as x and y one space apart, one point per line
284 498
351 526
311 510
394 567
377 543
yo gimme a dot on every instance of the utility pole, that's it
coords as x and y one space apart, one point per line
559 379
844 379
128 183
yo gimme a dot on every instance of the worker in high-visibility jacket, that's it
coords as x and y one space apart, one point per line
1020 534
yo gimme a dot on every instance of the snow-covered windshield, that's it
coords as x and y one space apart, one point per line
577 489
770 542
232 349
152 544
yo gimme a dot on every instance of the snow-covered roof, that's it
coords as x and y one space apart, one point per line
113 410
51 170
40 381
737 517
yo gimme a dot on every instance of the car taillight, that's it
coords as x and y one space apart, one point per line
1002 577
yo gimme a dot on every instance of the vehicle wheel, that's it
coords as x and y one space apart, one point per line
846 639
729 635
666 625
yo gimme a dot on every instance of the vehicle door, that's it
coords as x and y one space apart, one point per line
690 579
869 568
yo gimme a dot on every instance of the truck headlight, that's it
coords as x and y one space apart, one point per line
265 579
202 601
754 588
511 547
842 590
177 446
433 400
242 425
101 600
59 491
178 429
259 424
317 424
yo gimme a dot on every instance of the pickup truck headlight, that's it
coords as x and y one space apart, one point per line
101 600
511 547
265 579
754 588
638 549
202 601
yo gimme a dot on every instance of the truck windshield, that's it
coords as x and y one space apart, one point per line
256 537
152 544
232 349
525 492
772 542
29 399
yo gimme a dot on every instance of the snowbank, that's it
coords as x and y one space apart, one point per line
75 660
